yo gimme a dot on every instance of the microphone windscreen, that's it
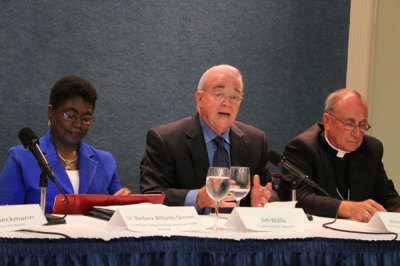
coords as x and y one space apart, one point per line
26 135
274 157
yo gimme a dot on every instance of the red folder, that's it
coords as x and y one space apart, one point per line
81 203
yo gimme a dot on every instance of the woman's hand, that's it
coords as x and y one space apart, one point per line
123 191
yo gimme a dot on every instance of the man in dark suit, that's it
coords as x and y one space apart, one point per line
346 163
178 154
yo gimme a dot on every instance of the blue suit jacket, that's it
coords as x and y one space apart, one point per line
19 180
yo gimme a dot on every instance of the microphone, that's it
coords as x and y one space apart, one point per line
277 159
31 142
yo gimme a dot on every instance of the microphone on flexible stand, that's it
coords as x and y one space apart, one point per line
31 142
279 160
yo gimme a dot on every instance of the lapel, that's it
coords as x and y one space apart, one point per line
87 168
238 147
87 165
327 172
359 171
49 151
197 149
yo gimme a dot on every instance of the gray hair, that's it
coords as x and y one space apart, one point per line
334 97
204 78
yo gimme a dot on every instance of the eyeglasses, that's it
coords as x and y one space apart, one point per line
363 126
71 116
234 98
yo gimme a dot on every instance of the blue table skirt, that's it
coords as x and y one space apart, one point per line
197 251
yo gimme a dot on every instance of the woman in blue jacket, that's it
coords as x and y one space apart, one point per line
78 167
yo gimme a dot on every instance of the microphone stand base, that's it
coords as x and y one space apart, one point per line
53 220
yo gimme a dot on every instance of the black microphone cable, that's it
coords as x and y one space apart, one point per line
66 200
279 160
45 233
326 225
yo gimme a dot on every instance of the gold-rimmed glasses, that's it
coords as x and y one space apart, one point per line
363 126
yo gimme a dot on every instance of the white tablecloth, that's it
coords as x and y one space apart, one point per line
79 226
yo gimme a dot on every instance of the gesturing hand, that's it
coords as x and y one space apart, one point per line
259 194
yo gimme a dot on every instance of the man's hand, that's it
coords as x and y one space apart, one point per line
362 211
203 200
122 191
259 194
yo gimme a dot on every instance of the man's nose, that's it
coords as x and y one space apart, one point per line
356 132
227 100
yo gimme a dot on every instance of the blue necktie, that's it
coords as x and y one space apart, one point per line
221 158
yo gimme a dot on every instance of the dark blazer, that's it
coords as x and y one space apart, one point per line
367 177
176 161
19 180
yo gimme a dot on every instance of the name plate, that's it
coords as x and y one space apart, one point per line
142 219
269 219
389 221
17 217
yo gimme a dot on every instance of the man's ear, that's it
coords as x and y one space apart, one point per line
326 118
199 97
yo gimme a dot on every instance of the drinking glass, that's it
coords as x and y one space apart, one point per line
217 186
240 182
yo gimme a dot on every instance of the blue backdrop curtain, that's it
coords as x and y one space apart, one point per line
145 59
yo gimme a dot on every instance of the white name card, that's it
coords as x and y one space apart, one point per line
389 221
142 219
281 204
268 219
17 217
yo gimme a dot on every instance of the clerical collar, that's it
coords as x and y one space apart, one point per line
340 153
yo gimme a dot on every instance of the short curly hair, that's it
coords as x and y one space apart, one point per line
71 86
